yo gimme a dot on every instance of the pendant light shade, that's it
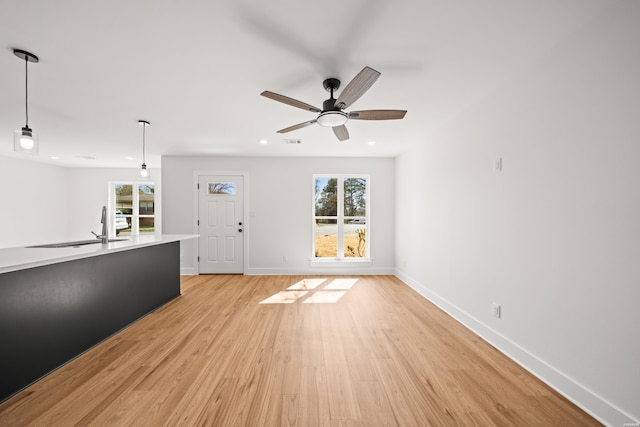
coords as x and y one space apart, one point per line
25 140
144 172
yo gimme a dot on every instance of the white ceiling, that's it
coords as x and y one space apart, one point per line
195 70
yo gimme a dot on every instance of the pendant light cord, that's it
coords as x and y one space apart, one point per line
143 134
26 91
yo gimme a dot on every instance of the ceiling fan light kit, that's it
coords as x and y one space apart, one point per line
25 140
332 114
332 118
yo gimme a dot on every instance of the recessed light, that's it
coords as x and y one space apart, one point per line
86 157
371 143
263 142
55 157
129 158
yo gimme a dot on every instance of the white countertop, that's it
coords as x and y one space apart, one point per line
20 258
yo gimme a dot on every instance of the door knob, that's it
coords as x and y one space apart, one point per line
240 223
240 230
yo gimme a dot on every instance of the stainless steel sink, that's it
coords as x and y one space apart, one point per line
75 244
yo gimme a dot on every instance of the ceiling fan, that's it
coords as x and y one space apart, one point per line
332 114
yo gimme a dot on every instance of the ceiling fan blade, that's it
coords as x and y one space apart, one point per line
377 114
290 101
357 87
341 132
298 126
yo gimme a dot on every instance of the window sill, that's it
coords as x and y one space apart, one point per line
335 262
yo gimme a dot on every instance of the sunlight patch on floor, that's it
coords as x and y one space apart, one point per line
284 297
317 294
345 284
324 297
307 284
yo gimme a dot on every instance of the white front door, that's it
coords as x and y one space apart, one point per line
221 223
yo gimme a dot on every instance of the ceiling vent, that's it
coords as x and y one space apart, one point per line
292 141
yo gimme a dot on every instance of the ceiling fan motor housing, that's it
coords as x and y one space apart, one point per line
330 85
330 105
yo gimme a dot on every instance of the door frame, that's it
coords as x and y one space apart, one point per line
245 216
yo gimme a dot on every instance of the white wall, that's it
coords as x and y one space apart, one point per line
280 191
555 237
89 191
34 205
44 203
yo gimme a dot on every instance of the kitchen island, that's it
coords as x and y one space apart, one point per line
58 302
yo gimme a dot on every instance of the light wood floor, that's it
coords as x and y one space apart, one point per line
220 355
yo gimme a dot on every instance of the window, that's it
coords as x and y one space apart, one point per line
132 208
340 217
221 188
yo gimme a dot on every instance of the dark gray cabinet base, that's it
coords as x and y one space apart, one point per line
53 313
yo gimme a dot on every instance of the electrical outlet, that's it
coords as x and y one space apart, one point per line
497 310
284 258
497 164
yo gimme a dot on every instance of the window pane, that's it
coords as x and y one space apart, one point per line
355 238
326 239
221 188
124 201
146 199
326 197
355 196
147 225
123 224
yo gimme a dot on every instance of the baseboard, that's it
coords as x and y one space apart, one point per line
588 401
326 270
188 271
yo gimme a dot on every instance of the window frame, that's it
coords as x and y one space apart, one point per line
135 215
341 218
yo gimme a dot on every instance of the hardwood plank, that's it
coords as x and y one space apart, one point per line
312 342
314 403
409 405
375 409
342 401
335 351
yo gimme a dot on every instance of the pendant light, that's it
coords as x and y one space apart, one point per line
25 140
144 172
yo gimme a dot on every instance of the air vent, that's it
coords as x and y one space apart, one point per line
292 141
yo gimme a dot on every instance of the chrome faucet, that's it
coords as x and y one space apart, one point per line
104 237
